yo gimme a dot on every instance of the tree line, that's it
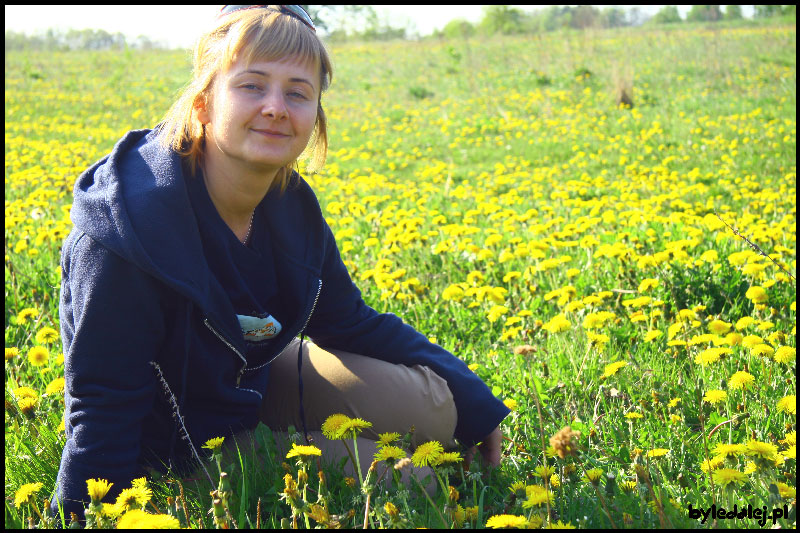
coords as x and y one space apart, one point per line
362 22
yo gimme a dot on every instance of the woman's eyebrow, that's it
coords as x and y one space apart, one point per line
267 75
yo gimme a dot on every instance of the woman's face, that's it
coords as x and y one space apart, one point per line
260 117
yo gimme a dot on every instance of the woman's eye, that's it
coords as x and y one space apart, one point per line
251 86
295 94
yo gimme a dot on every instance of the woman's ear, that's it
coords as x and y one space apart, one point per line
201 106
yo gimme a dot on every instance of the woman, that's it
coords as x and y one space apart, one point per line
197 259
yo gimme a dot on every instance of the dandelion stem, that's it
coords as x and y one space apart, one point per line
425 492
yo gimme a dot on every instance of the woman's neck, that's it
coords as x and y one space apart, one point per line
235 195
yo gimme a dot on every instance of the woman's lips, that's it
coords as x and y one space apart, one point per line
271 133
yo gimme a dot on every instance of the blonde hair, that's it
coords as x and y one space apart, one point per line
248 35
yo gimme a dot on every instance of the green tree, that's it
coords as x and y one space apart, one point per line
704 14
667 15
458 29
614 17
585 17
733 12
502 19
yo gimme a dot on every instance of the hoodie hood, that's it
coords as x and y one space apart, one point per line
147 218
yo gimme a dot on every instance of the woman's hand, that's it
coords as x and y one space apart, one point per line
489 448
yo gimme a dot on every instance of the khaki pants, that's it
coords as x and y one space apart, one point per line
391 397
394 398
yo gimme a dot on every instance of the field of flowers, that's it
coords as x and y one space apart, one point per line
589 260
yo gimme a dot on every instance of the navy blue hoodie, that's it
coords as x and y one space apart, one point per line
146 327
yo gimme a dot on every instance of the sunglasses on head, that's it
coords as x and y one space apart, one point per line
293 11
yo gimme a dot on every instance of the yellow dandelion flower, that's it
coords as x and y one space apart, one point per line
303 451
592 476
763 450
711 355
752 340
38 355
757 294
785 354
25 314
427 454
657 452
138 519
11 353
744 323
25 392
133 498
510 403
733 339
712 464
652 335
559 525
634 416
719 327
502 521
391 509
55 387
715 396
28 406
628 485
537 495
613 368
555 481
516 486
741 380
384 439
453 292
786 491
788 404
557 324
763 350
726 476
544 471
46 335
332 427
98 488
648 284
352 427
215 444
25 494
724 450
448 457
390 454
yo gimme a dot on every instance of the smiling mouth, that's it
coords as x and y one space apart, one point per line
271 133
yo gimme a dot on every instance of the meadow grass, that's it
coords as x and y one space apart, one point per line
492 193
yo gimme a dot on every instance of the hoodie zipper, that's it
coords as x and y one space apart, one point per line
232 347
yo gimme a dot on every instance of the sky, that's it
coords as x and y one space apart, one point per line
159 22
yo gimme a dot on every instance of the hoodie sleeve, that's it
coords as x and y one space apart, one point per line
112 326
343 321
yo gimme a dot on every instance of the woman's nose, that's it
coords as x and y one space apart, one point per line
274 105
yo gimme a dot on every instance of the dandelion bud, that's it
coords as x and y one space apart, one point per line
302 478
453 495
391 509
